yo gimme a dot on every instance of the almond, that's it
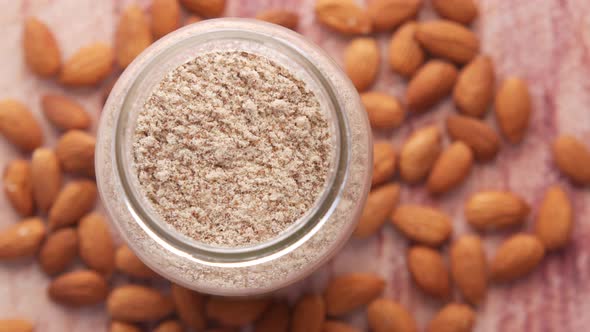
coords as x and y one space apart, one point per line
75 151
286 18
513 108
46 177
192 19
469 268
108 87
96 243
19 126
88 66
18 186
133 35
491 210
479 136
133 303
388 14
572 158
169 326
73 202
555 219
516 257
461 11
22 239
431 83
123 327
453 317
205 8
405 54
78 288
275 319
335 326
383 163
429 271
451 168
343 16
378 208
128 263
361 62
64 113
59 251
348 292
419 153
15 325
384 111
474 90
236 311
40 48
388 316
422 224
448 40
309 314
165 17
190 307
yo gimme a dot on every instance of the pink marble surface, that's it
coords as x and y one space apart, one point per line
547 42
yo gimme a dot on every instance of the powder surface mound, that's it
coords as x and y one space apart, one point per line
231 149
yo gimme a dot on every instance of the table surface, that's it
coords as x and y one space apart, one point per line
546 42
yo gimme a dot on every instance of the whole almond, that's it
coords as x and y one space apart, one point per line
419 153
572 158
64 113
133 35
286 18
431 83
343 16
78 288
59 251
88 66
169 326
165 17
513 109
383 163
429 271
348 292
474 90
192 19
236 312
205 8
16 325
388 316
405 53
97 250
18 186
75 151
422 224
454 317
123 327
40 48
22 239
479 136
190 307
491 210
388 14
73 202
275 319
128 263
309 314
46 177
516 257
361 62
448 40
555 219
133 303
19 126
335 326
469 268
451 168
378 208
384 111
461 11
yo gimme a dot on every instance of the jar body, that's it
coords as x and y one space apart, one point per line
268 266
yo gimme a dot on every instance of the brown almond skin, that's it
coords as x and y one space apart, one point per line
22 239
128 263
460 11
492 210
388 14
18 186
235 312
97 249
383 163
343 16
16 325
64 113
19 126
192 19
451 168
422 224
165 17
41 50
133 35
449 40
361 62
555 219
275 319
419 153
453 317
379 206
78 288
405 53
384 111
46 177
351 291
513 109
59 251
133 303
469 268
88 66
335 326
75 151
286 18
190 307
309 314
123 327
572 157
429 271
431 83
205 8
474 91
479 136
73 202
516 257
169 326
385 315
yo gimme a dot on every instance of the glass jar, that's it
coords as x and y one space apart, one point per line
297 251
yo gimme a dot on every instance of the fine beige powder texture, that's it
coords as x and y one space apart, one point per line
231 149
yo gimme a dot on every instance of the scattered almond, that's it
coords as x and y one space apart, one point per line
388 14
235 311
108 87
73 202
384 111
46 177
383 163
275 319
190 307
96 243
123 327
480 137
513 108
343 16
419 153
75 151
40 48
431 83
88 66
192 19
378 208
469 268
16 325
19 126
516 257
361 62
572 158
335 326
405 54
128 263
133 303
169 326
133 35
453 317
286 18
422 224
491 210
205 8
429 271
59 251
309 314
165 17
474 90
18 186
451 168
348 292
64 113
79 288
388 316
555 219
22 239
448 40
461 11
